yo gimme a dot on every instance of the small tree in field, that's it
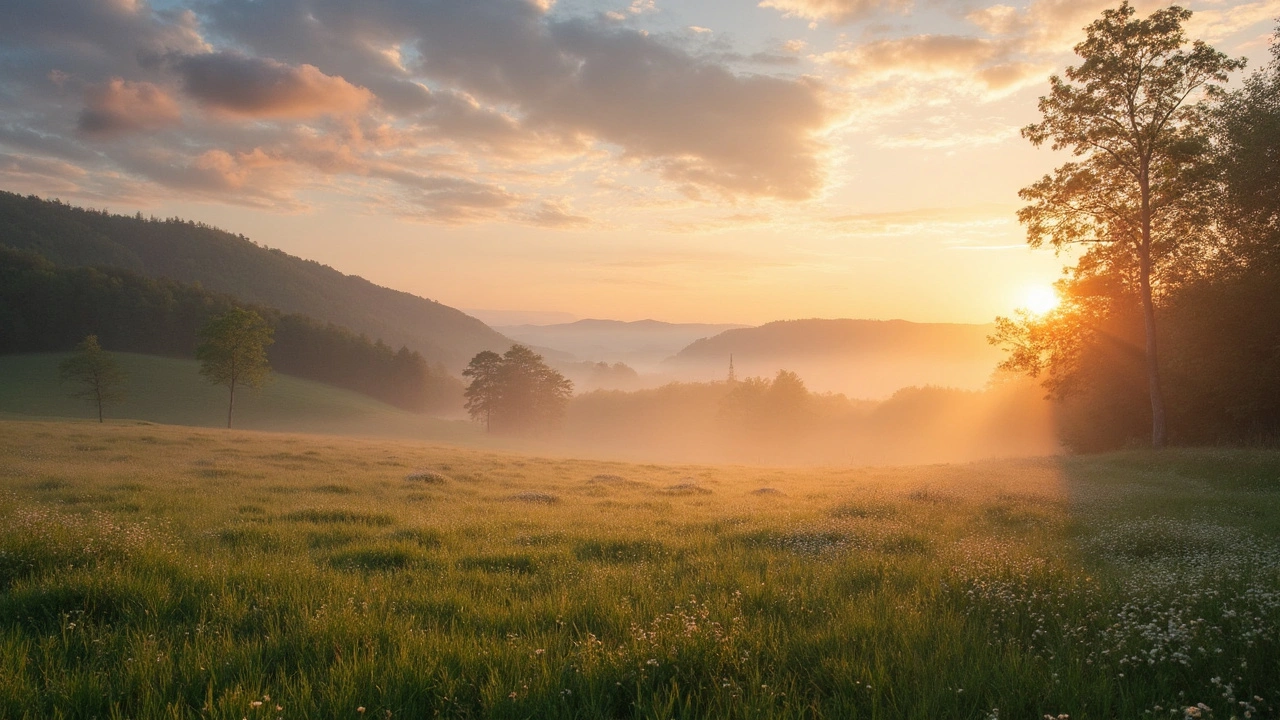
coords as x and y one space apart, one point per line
233 352
96 374
1132 113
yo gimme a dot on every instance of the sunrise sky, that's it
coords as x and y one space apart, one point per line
700 160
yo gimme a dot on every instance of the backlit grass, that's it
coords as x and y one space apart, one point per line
160 572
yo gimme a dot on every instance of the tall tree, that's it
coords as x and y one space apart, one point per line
96 374
482 391
515 391
1133 113
233 352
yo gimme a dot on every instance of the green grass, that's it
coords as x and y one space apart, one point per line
162 572
172 392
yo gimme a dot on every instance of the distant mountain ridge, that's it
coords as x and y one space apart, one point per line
641 343
228 263
842 336
863 358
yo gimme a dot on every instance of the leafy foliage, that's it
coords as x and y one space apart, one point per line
233 351
515 391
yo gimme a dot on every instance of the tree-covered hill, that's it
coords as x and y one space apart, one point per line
224 262
45 308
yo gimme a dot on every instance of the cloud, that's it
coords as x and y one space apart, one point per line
992 66
454 201
120 107
1217 24
555 214
695 122
910 222
568 82
98 35
258 87
840 11
253 177
1007 49
734 221
438 110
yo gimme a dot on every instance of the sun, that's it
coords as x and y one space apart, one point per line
1039 299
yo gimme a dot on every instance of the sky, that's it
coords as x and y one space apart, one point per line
693 161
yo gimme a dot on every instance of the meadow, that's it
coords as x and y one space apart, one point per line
172 391
163 572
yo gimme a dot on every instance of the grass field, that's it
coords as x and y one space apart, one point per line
161 572
165 390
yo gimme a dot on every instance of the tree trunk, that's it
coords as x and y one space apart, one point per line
232 403
1158 433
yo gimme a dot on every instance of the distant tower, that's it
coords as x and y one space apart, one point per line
733 376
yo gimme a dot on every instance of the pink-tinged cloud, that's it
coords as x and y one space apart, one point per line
236 84
835 10
120 107
544 85
992 65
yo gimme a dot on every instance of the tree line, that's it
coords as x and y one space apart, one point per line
778 420
45 308
1169 325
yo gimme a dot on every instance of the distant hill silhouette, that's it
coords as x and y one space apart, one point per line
862 358
227 263
642 344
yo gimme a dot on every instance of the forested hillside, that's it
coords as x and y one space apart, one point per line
44 308
227 263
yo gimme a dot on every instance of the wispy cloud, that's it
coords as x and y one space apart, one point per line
839 11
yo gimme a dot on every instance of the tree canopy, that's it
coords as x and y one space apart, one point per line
516 391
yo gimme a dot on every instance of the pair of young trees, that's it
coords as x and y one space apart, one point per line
1145 195
232 352
516 391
